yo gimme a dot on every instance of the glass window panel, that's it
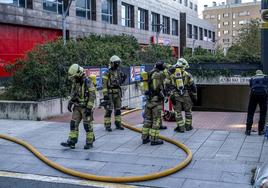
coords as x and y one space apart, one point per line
81 3
22 3
81 13
50 6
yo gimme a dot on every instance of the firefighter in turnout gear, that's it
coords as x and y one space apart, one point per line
81 104
153 91
182 91
258 95
112 93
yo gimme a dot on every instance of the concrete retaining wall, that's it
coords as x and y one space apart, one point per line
31 110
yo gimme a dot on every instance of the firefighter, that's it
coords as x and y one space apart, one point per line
258 95
153 107
112 93
181 87
81 104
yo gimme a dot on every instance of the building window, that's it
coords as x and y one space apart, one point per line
219 25
186 3
200 33
53 6
155 18
143 19
242 22
213 37
233 23
225 32
233 15
189 31
83 8
191 5
244 13
195 32
207 16
219 17
195 8
226 40
209 34
175 25
206 33
219 33
226 15
19 3
225 23
212 17
108 11
166 25
233 33
180 1
127 13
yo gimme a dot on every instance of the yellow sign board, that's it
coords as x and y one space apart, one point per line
264 25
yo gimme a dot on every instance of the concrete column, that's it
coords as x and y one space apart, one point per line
98 11
264 39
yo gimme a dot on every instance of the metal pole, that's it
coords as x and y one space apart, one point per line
64 15
264 36
63 25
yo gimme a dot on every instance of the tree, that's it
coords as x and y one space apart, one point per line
247 45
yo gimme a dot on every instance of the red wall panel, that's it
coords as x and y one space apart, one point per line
16 41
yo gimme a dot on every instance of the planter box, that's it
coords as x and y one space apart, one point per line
31 110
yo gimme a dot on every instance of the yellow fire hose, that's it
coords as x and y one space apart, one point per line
110 178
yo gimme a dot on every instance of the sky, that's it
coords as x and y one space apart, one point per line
201 4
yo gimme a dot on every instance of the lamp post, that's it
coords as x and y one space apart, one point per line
64 15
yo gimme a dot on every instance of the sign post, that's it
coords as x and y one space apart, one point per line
264 35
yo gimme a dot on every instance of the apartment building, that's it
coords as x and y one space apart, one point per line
229 18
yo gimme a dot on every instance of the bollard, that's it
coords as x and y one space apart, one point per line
266 131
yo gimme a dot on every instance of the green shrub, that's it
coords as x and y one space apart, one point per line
43 73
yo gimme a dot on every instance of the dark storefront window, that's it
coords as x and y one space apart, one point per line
83 8
142 19
109 11
175 29
155 22
189 31
166 25
127 13
19 3
53 6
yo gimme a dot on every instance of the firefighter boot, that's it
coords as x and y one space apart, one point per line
145 141
118 125
180 129
70 143
157 142
108 129
88 145
189 127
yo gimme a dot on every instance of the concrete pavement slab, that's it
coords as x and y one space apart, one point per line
222 158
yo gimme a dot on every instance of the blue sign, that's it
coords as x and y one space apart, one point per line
135 73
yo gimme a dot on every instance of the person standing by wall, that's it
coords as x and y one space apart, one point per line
258 96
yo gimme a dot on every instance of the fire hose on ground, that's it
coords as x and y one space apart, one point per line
110 179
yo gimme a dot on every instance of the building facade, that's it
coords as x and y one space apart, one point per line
168 22
229 19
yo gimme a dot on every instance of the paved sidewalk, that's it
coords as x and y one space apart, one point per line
221 158
234 121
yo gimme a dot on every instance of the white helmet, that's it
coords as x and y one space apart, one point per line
115 58
182 63
75 70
